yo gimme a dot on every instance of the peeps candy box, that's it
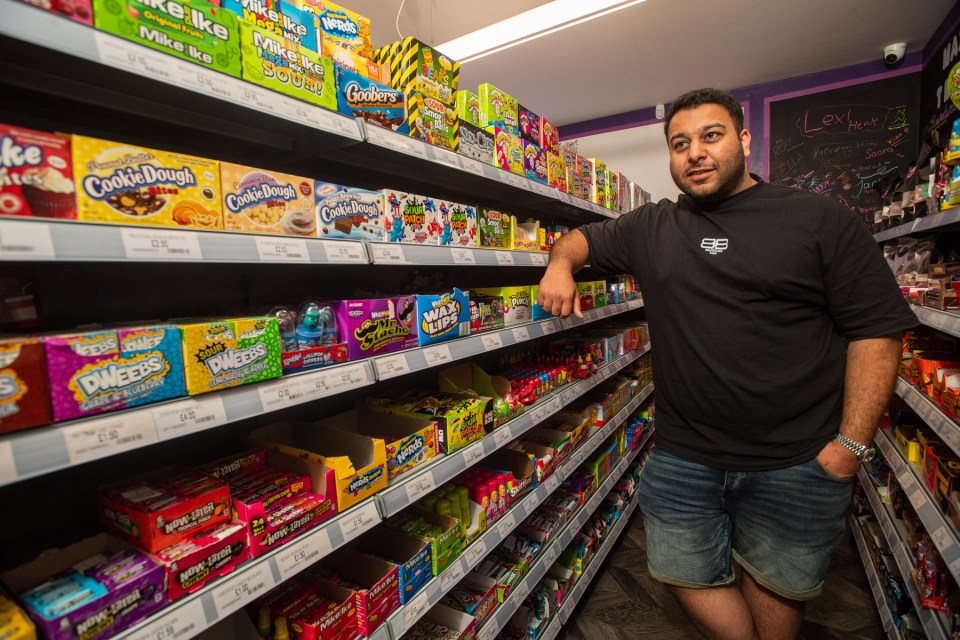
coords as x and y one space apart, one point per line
476 143
508 151
378 326
495 229
468 107
549 136
90 373
281 65
534 162
346 212
529 124
263 201
194 30
24 392
430 120
442 316
285 20
498 109
409 218
361 97
339 26
556 171
228 353
458 225
427 71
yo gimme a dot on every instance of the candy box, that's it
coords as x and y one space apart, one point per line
442 316
585 169
192 563
468 107
536 311
463 225
495 229
359 96
443 533
430 120
556 171
529 124
328 612
410 554
508 150
346 212
498 109
516 303
287 67
129 583
14 622
486 313
613 190
36 174
598 181
78 10
476 143
475 595
229 353
24 399
378 594
358 462
587 295
461 418
549 136
285 20
377 326
263 201
352 62
90 373
471 379
534 162
427 71
443 623
339 26
408 217
194 30
526 235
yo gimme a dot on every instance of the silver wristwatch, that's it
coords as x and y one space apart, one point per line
864 453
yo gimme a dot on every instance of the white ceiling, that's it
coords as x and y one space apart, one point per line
652 52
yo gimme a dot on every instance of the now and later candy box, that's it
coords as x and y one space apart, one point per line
264 201
36 174
442 316
534 162
283 19
194 30
229 353
90 373
192 563
409 218
24 399
126 184
377 326
476 143
346 212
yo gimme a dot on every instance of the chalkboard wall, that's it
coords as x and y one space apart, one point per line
840 142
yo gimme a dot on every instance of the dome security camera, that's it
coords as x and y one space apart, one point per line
893 53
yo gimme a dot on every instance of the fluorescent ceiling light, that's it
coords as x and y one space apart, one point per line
529 25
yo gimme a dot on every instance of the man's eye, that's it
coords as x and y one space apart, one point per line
677 146
711 135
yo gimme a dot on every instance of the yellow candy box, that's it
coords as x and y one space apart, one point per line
126 184
264 201
228 353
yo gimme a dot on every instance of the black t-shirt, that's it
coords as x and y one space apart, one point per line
751 303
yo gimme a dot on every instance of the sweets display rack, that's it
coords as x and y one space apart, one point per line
873 578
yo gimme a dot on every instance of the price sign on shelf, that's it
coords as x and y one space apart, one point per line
551 555
501 435
520 334
567 323
414 610
344 251
391 366
538 259
476 552
489 630
549 326
420 486
336 380
448 158
150 244
180 418
471 165
388 254
101 438
473 453
303 553
25 241
491 341
277 249
242 589
917 497
552 483
437 355
358 521
450 577
504 258
131 57
523 590
281 394
507 524
463 256
942 538
183 621
512 179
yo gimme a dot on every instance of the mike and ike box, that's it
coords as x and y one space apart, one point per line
36 174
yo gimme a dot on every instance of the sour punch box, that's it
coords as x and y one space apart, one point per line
36 174
264 201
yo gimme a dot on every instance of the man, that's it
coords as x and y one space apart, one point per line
776 331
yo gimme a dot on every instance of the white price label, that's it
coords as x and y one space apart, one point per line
206 81
520 334
504 258
544 190
513 179
101 438
388 254
344 251
941 538
568 322
303 553
414 610
507 524
552 555
128 56
489 630
447 157
437 355
166 245
339 124
450 577
281 394
552 483
8 466
500 436
463 256
567 198
491 341
282 249
180 418
391 366
608 311
918 498
25 240
473 453
420 486
242 589
358 521
476 552
523 590
471 165
336 380
184 621
549 326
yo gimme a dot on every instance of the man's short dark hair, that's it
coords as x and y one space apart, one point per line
698 97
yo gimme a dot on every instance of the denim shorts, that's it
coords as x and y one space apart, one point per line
781 526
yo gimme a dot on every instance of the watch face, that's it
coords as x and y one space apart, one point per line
868 455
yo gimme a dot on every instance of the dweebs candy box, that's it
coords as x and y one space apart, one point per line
377 326
346 212
495 229
468 108
409 218
266 201
90 373
410 554
442 316
409 441
534 162
508 150
24 395
529 124
194 30
498 109
549 136
362 97
164 507
430 120
281 65
229 353
458 225
194 562
285 20
126 184
36 174
339 26
476 143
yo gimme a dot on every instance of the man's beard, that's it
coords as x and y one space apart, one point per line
729 174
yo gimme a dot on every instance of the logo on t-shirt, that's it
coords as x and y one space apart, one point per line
713 246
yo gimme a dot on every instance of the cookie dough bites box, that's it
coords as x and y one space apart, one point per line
345 212
267 201
126 184
36 174
194 30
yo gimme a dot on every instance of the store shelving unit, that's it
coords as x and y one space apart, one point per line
946 321
873 578
924 406
927 223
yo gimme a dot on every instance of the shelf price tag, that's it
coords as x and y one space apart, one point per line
489 630
437 355
549 326
184 621
463 256
450 577
567 322
344 251
512 179
391 366
447 157
304 553
420 486
26 240
501 435
552 483
471 165
242 589
150 244
473 453
101 438
8 466
476 553
358 521
504 258
180 418
942 539
544 190
507 524
520 334
414 610
491 341
128 56
388 254
336 380
282 249
281 394
917 497
523 590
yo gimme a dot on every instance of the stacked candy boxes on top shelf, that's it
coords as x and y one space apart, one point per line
171 531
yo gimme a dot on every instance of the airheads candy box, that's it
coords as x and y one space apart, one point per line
266 201
286 20
468 107
194 30
360 97
442 316
508 151
556 171
498 109
432 121
339 26
476 143
495 229
408 217
228 353
90 373
377 326
534 162
529 124
345 212
285 66
36 174
549 136
125 184
24 400
458 225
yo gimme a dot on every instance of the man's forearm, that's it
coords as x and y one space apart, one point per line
571 251
870 376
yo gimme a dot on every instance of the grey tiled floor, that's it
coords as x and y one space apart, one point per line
625 603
